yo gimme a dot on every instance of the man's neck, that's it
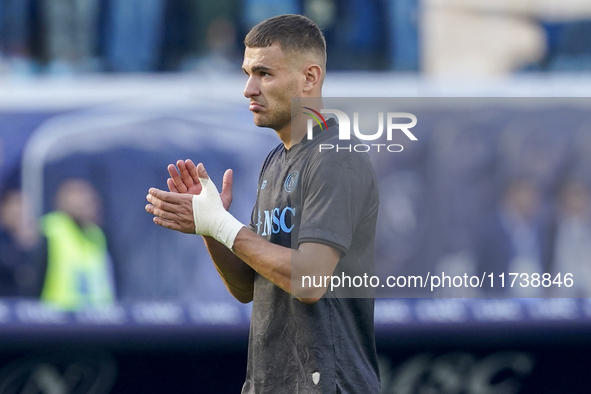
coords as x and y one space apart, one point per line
285 136
295 131
289 137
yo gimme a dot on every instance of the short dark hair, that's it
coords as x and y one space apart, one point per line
293 33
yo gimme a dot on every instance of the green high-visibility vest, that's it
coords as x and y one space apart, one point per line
78 274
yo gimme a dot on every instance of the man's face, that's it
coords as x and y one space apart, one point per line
79 199
273 79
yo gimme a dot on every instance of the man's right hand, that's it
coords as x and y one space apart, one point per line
237 276
186 181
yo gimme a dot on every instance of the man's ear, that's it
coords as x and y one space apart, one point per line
313 74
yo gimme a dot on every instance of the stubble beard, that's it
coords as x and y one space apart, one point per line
275 119
278 117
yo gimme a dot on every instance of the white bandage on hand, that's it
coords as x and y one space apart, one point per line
210 217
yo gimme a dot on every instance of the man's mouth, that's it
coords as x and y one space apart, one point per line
255 107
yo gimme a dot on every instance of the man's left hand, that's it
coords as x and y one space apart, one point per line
171 210
206 209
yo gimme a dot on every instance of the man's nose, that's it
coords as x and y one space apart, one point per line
251 89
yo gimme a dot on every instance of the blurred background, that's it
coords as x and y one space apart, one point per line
98 96
432 37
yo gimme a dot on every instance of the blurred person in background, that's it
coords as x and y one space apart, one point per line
15 33
484 38
71 35
1 158
79 268
255 11
22 250
358 38
572 238
515 238
221 55
213 36
134 35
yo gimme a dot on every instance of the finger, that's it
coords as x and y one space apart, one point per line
192 170
227 183
201 171
185 175
171 186
157 212
176 178
172 217
166 206
167 224
173 198
172 171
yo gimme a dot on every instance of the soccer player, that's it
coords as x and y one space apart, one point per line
315 214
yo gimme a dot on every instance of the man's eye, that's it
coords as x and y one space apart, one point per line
264 74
